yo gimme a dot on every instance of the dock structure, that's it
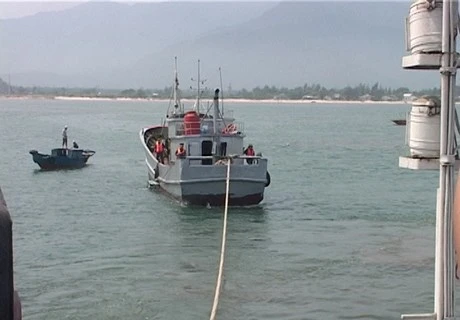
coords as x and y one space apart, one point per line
431 31
10 306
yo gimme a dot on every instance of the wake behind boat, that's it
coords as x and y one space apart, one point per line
62 158
196 173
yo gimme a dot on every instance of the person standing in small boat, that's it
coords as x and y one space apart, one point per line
64 137
249 151
181 152
74 144
159 150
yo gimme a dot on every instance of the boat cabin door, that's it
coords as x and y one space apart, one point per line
223 149
206 150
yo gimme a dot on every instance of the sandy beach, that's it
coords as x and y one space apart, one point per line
229 100
246 101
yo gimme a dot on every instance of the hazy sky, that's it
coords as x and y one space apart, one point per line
84 60
21 8
17 9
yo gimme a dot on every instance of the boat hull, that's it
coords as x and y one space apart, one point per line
46 164
70 160
241 193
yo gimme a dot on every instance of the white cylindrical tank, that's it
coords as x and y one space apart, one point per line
424 27
424 128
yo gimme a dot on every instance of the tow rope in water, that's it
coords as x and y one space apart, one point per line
222 250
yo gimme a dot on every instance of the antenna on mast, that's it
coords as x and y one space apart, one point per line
199 92
221 90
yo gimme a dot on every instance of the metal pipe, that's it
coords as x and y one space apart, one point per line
216 136
444 251
438 265
199 90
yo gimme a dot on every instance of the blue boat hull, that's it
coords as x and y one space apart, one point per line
62 159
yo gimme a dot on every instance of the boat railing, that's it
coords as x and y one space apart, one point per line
222 158
228 114
180 130
194 128
231 128
236 160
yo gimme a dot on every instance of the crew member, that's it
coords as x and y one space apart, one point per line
159 150
64 137
181 152
249 151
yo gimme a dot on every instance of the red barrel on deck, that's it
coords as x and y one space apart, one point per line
192 123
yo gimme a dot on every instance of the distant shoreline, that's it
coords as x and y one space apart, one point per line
229 100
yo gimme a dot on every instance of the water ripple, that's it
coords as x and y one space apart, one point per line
342 233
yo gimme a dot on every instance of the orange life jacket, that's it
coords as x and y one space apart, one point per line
250 152
159 147
180 152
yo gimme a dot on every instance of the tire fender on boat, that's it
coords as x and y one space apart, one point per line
267 183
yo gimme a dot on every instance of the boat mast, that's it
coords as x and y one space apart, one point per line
216 135
222 91
197 102
199 90
177 103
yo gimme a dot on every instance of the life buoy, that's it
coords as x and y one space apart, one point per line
267 176
230 129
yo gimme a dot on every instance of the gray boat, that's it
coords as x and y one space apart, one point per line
205 141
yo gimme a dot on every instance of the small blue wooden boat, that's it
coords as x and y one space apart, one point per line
62 158
400 122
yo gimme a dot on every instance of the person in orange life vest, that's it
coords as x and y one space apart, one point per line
249 151
159 150
181 152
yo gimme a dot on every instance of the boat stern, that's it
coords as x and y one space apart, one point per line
206 184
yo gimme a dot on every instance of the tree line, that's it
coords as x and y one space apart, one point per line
375 92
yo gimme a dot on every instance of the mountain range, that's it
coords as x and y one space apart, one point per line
123 45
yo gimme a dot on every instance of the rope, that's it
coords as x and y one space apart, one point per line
222 250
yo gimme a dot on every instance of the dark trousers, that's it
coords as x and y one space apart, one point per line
160 157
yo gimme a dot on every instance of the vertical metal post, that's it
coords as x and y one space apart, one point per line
216 133
199 90
444 265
